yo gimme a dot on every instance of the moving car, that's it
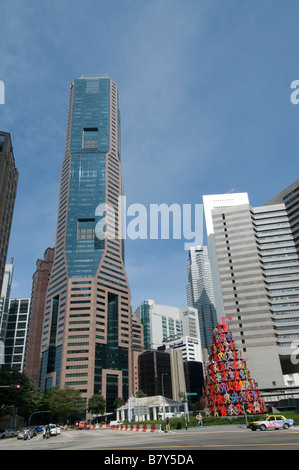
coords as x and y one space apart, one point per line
115 423
271 422
53 429
82 425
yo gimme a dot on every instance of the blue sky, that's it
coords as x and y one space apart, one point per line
204 89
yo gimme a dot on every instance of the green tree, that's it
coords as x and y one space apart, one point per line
26 399
118 402
64 403
97 405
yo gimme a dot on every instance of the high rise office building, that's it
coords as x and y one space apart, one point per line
16 330
87 337
290 198
200 292
259 274
4 303
211 202
8 189
40 282
163 323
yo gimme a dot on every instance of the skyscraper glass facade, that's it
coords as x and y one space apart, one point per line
88 321
89 144
200 292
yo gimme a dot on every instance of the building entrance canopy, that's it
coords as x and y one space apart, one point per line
148 408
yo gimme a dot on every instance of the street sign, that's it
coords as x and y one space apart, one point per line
141 410
191 394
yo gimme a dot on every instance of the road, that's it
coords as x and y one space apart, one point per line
118 443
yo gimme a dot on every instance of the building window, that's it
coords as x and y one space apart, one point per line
90 138
85 229
1 142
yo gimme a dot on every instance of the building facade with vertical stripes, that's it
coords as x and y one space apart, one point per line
8 190
259 272
87 336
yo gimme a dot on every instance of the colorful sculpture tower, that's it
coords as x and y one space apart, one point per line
229 390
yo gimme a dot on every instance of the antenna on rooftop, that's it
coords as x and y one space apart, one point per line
231 190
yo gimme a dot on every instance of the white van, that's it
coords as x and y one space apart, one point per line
114 423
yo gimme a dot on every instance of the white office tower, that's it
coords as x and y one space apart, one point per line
259 274
163 324
200 292
190 348
212 202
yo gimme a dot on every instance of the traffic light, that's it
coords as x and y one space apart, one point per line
15 386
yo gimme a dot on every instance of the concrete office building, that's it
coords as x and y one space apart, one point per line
211 202
8 189
163 323
290 197
4 303
259 277
154 373
16 333
190 348
162 373
87 335
200 292
40 282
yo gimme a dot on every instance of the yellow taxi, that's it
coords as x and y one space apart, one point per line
271 422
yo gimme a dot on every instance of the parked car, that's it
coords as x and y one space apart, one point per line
271 422
22 431
7 433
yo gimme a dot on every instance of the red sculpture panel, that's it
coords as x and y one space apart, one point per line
229 389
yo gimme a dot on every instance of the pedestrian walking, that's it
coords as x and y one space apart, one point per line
199 419
167 424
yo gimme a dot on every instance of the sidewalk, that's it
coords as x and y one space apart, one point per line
220 428
223 428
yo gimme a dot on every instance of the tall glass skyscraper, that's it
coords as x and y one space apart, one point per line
87 341
200 292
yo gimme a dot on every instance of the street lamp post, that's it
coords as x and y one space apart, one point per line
36 412
163 404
